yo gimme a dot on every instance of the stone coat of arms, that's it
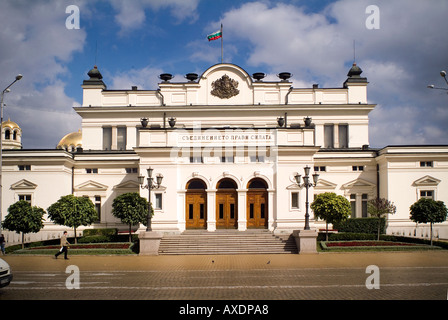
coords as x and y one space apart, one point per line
225 88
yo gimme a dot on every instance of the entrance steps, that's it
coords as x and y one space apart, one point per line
201 242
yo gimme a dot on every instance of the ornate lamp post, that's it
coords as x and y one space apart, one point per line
307 184
152 184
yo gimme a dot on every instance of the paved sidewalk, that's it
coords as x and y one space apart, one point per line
325 276
237 262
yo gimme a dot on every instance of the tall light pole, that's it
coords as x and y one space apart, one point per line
307 184
443 75
151 185
18 77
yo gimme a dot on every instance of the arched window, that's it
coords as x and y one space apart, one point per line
14 135
7 134
257 184
196 184
227 184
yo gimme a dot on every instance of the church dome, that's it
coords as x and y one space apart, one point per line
11 135
10 124
71 141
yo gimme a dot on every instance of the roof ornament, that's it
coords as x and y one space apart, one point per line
225 87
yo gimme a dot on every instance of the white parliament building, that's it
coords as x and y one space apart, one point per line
228 145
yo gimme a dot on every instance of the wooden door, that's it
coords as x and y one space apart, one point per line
226 209
257 209
196 210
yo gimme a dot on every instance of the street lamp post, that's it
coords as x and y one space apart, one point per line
152 184
307 184
18 77
443 75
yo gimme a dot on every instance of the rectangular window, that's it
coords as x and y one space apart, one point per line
358 168
98 207
251 211
227 159
158 201
329 136
107 138
427 194
25 197
91 170
121 138
426 164
221 211
353 205
364 205
196 159
190 211
321 169
232 211
295 200
343 136
25 167
256 158
131 170
262 211
201 211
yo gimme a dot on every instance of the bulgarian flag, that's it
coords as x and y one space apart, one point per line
215 35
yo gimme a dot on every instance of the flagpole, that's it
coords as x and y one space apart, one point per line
221 44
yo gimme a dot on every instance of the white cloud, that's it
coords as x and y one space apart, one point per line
399 59
145 78
131 14
36 43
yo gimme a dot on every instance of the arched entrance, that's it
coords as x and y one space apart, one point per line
226 204
257 204
196 205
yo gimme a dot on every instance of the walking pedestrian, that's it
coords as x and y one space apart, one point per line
2 244
64 246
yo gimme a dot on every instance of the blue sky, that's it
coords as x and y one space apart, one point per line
134 41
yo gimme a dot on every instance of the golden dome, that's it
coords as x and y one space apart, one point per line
71 141
10 124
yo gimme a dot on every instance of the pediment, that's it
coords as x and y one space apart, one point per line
91 186
426 181
324 184
23 185
130 184
358 183
293 186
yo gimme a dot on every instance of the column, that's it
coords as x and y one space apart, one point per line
211 207
271 218
114 138
181 209
242 205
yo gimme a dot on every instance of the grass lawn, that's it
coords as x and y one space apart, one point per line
117 248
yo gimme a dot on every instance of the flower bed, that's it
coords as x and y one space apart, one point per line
372 245
367 244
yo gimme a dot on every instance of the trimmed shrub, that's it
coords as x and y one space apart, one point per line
361 225
100 232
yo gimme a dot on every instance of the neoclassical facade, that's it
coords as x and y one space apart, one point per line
228 145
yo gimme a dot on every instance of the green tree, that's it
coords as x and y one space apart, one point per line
22 217
73 212
379 207
331 208
428 210
131 209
